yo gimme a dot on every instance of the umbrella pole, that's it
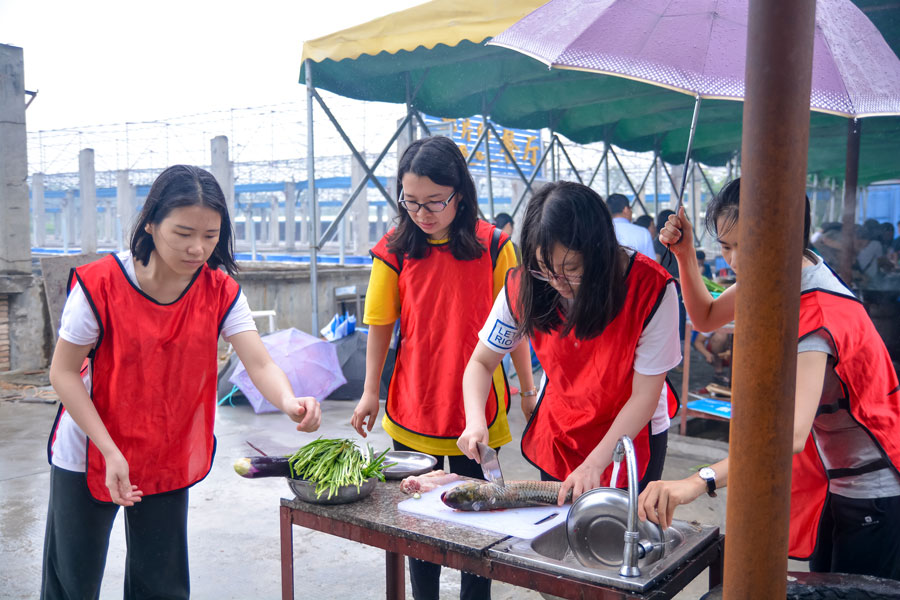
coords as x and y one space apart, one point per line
313 205
687 154
848 216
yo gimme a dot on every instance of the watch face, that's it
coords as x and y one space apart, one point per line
707 473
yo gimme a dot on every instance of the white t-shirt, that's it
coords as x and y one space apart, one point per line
78 325
658 349
634 236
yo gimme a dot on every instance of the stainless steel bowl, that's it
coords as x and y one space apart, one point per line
407 463
306 491
595 528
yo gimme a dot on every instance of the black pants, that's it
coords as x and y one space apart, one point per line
859 536
658 448
77 539
425 577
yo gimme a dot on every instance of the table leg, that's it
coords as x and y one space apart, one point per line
287 555
395 576
716 568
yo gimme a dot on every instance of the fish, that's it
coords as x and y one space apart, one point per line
482 495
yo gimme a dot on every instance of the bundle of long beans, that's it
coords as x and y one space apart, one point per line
333 463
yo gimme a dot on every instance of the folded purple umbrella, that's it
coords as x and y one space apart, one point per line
311 365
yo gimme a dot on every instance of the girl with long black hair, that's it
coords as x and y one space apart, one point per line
603 321
438 272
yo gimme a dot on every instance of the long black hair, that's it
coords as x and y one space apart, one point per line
184 185
725 205
575 217
439 159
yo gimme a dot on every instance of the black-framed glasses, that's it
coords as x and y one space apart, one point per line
435 206
541 276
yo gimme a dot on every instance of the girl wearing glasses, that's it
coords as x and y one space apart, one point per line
603 321
135 428
845 482
438 272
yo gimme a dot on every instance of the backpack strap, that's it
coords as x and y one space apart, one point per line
495 246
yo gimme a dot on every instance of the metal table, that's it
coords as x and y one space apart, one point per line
376 521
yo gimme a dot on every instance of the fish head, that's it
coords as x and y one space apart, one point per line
467 496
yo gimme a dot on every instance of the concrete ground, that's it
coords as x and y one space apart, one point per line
233 522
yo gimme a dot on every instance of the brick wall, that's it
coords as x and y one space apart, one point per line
4 333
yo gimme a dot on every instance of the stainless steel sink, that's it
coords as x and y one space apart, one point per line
550 552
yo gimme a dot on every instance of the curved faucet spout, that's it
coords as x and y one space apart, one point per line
625 448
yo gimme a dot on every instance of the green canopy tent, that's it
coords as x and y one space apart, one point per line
411 56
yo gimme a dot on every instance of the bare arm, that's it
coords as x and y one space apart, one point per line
378 342
660 498
706 313
272 383
634 416
65 376
521 358
476 385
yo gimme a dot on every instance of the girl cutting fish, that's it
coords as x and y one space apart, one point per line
603 321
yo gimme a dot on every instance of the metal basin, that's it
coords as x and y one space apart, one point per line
550 552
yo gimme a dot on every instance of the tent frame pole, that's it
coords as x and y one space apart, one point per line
313 201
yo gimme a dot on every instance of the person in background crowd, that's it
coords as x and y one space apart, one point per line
629 234
505 223
646 221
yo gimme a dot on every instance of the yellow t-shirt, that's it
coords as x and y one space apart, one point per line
383 308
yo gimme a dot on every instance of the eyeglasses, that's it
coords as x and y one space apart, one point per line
541 276
432 207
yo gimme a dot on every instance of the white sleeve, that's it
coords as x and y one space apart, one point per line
78 324
239 319
500 332
648 249
659 348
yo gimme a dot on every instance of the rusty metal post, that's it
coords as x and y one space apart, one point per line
848 217
774 150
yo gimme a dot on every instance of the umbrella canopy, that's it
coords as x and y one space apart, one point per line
699 47
451 73
311 365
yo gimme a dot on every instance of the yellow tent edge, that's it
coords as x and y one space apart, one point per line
446 22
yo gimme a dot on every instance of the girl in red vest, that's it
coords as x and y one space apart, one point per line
438 272
603 320
845 486
135 428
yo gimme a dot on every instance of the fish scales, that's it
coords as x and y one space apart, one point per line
481 496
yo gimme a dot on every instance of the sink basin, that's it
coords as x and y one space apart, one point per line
550 552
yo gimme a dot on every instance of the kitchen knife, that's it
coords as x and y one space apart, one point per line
490 464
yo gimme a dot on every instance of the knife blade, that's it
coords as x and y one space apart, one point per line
490 464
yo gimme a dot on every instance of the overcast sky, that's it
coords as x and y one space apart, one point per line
104 61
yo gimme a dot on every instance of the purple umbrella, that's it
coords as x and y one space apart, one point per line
699 47
311 365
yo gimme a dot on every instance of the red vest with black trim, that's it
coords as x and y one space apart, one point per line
589 381
444 303
153 375
872 395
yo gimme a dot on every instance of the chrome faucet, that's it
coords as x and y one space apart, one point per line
633 549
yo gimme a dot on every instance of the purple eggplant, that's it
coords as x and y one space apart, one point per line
263 466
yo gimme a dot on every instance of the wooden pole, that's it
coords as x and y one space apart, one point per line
773 186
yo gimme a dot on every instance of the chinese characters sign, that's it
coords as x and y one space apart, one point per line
523 144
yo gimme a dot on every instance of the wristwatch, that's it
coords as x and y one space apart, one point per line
709 476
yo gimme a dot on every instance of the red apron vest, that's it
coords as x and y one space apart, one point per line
153 375
444 302
589 381
863 365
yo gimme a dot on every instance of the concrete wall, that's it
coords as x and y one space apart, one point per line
30 342
286 290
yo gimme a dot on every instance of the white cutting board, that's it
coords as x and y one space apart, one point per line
517 522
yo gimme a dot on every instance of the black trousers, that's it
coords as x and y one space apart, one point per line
859 536
77 539
425 577
658 448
